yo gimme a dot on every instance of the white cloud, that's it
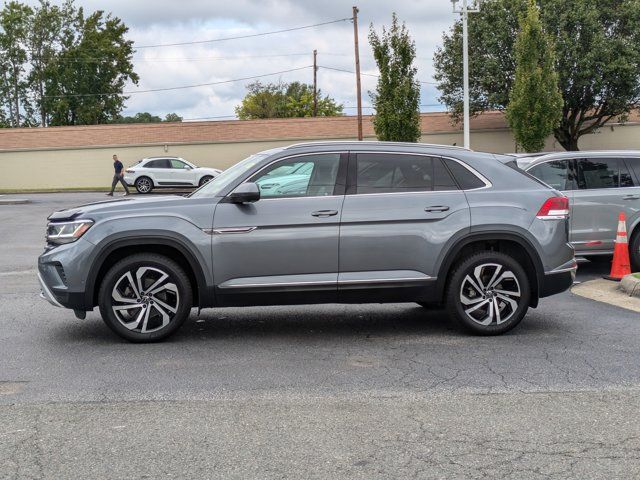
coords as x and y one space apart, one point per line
170 21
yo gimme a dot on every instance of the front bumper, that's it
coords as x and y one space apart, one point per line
46 293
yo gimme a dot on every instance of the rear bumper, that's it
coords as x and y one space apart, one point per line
558 280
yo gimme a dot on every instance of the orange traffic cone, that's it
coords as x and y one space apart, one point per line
621 265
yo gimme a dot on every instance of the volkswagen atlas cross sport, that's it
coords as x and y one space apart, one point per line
599 186
371 223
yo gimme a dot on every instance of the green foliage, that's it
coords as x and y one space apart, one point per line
14 25
535 106
597 44
60 67
397 96
284 100
146 117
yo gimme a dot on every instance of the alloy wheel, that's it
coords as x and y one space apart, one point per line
143 185
490 295
145 300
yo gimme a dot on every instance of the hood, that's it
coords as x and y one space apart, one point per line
116 206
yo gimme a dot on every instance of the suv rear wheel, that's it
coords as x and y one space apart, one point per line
145 297
144 185
488 294
634 251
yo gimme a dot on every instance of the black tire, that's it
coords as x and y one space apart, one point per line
634 251
144 185
487 263
175 300
205 179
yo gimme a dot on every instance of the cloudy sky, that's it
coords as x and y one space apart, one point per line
174 21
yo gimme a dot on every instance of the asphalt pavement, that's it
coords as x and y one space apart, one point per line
374 391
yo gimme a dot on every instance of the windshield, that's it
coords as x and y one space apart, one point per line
219 183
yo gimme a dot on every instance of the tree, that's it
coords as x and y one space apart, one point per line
597 45
284 100
146 117
85 84
397 96
172 117
43 43
535 102
14 24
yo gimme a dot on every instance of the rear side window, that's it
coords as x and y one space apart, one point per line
556 174
463 176
162 163
392 173
603 173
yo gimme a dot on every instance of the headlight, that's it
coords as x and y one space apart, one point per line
67 232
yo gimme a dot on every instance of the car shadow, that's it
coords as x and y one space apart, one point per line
298 324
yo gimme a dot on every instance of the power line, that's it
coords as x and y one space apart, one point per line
181 59
180 87
366 74
222 39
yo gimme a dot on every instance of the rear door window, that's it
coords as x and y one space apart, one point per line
555 173
394 173
161 163
599 173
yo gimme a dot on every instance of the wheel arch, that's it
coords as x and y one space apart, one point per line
506 242
168 246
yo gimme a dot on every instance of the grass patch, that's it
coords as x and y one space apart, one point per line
637 275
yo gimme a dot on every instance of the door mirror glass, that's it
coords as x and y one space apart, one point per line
245 193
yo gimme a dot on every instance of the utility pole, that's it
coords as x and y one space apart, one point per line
358 87
464 11
315 84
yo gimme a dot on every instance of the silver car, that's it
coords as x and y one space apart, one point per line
599 186
367 222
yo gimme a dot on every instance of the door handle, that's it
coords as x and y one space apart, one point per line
325 213
631 197
436 208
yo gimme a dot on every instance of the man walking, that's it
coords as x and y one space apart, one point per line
118 176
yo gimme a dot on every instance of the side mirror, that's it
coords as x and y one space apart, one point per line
245 193
187 167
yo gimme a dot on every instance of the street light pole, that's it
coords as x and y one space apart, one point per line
464 11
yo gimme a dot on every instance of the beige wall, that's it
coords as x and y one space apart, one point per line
92 167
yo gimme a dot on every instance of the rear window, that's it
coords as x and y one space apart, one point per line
555 173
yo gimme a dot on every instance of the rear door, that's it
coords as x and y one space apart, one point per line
399 212
605 188
159 170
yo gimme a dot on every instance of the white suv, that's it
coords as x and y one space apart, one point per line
154 172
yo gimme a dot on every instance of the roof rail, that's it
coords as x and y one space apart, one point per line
372 142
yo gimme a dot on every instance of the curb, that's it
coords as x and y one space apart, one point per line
630 285
13 201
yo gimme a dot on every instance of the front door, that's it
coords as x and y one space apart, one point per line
181 173
399 213
284 247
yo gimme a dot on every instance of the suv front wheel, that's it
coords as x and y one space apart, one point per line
145 297
488 294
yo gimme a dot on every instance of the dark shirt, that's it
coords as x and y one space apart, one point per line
117 165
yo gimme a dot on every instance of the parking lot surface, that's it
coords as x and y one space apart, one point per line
373 391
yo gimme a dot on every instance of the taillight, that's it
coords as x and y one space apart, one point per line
554 208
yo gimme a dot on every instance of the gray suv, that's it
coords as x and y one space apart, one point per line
599 186
328 222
